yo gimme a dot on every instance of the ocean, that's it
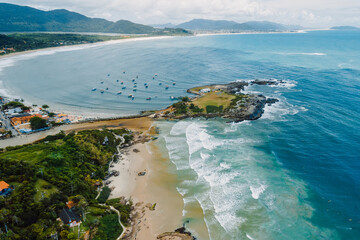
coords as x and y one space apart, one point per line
294 173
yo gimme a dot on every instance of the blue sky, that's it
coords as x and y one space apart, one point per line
308 13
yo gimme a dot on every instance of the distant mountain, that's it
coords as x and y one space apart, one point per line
204 24
253 26
166 25
345 28
14 18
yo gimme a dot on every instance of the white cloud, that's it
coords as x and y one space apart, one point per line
305 12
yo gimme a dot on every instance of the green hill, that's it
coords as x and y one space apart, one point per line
14 18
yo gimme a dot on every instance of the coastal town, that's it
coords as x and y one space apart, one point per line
17 119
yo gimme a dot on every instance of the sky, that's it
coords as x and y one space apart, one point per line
307 13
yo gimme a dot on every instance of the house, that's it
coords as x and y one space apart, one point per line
5 189
70 217
15 121
70 204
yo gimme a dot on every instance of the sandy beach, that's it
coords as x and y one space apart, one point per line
157 186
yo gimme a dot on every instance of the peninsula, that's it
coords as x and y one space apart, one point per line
220 100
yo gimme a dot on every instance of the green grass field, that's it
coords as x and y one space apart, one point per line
214 99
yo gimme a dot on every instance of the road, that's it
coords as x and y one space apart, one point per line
7 124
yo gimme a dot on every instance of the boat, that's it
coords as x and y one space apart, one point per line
102 91
117 80
172 97
123 87
130 96
174 83
122 82
146 86
160 84
137 76
156 74
119 93
135 86
167 87
133 80
149 98
124 72
102 82
153 77
134 89
107 88
94 89
108 74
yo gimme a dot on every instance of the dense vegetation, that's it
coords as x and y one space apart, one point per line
104 194
14 104
49 173
31 41
37 123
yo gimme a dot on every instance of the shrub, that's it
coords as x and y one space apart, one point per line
37 123
214 109
104 195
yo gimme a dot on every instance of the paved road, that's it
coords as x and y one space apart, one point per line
7 124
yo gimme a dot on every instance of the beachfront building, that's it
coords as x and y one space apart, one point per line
5 188
69 216
15 121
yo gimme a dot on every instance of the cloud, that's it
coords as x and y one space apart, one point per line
304 12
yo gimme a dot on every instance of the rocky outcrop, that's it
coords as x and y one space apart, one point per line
250 107
178 234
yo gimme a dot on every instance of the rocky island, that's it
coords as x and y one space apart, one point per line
220 100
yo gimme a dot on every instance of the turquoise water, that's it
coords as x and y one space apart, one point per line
294 173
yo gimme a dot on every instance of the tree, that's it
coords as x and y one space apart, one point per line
45 106
37 123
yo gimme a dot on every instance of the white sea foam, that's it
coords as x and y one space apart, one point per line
179 128
225 166
248 236
208 141
257 191
306 53
193 132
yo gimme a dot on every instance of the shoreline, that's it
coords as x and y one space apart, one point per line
156 187
86 45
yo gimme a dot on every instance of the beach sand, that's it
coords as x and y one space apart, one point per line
157 186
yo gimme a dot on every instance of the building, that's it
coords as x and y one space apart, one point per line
70 217
15 121
5 189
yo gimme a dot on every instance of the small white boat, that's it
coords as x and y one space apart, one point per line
119 93
172 98
94 89
149 98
